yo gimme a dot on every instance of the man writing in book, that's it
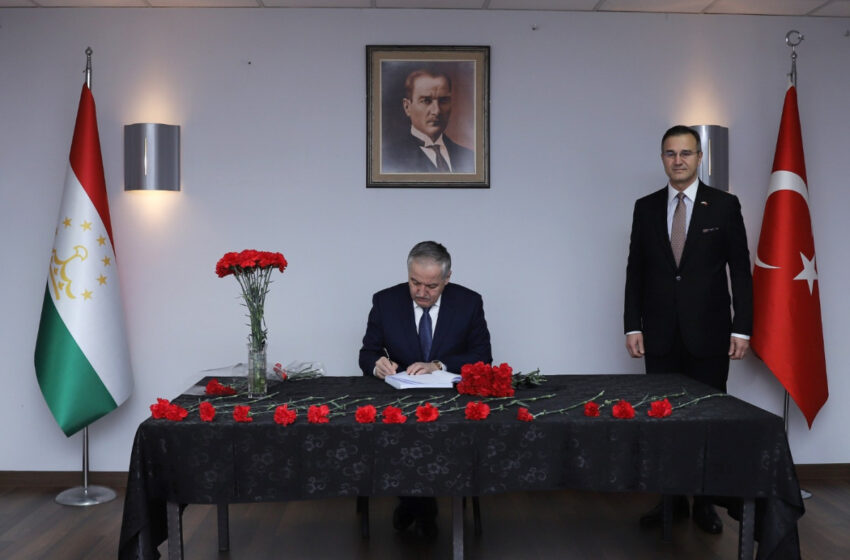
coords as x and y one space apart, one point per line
422 326
426 324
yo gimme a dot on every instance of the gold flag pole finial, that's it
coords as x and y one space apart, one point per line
88 66
792 39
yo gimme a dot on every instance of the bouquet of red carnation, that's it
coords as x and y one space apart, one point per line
253 270
486 380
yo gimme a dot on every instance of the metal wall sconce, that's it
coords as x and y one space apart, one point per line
714 168
151 157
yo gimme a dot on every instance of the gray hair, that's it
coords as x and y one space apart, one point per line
431 250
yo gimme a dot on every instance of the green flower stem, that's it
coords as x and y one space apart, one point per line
226 405
254 283
571 407
695 401
435 402
648 398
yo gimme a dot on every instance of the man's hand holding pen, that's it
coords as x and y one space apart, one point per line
384 367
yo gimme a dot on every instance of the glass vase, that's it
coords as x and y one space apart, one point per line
256 370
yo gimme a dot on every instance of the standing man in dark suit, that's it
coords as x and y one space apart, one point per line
677 304
426 149
422 326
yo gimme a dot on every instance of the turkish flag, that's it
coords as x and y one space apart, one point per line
787 328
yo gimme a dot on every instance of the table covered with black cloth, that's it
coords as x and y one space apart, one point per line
719 446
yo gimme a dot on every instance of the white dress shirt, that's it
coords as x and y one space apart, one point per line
434 312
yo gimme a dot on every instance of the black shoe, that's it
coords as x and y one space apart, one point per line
402 518
706 517
653 518
426 527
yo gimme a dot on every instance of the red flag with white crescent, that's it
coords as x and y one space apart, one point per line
787 328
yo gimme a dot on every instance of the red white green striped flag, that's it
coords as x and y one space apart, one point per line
81 357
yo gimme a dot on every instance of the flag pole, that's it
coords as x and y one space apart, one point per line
793 38
86 495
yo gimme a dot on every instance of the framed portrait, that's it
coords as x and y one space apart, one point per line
428 116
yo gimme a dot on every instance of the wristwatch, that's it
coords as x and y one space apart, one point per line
438 364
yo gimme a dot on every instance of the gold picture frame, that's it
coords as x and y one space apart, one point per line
450 91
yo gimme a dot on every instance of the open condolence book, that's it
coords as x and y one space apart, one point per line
435 380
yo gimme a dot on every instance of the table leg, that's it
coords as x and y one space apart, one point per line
457 528
746 530
223 528
476 515
175 531
363 512
667 518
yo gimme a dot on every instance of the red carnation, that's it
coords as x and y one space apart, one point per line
159 409
393 415
207 411
591 409
477 410
317 414
278 369
486 380
176 413
216 388
242 413
224 264
660 409
366 414
501 382
284 415
427 413
623 409
524 415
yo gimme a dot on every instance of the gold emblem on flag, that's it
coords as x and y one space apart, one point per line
57 268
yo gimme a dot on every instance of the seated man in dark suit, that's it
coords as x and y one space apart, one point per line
424 325
426 149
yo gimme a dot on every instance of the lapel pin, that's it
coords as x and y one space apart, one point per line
704 202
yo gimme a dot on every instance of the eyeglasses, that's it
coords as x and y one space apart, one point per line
684 154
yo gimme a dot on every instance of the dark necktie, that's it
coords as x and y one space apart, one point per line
442 166
425 333
677 231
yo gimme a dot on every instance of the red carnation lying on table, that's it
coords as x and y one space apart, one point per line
217 389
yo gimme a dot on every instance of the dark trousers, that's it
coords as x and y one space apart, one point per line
712 371
419 506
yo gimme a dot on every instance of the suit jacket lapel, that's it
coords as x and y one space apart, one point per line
444 321
659 221
409 329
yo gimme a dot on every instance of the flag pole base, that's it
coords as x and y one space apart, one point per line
85 496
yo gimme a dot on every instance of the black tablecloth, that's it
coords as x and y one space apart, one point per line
720 446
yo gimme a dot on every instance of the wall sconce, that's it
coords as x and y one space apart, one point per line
151 157
714 168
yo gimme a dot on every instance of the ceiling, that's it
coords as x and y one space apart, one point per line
820 8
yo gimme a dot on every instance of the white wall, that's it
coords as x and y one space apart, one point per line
272 109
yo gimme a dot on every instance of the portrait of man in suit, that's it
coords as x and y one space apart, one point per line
427 116
425 147
677 314
420 326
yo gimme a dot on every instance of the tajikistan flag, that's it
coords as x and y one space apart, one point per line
81 356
